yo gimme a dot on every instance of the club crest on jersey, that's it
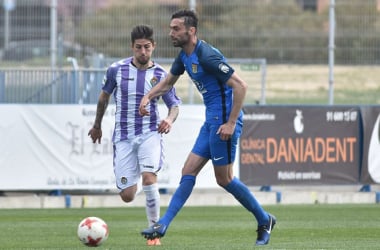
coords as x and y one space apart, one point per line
124 180
224 68
194 68
153 81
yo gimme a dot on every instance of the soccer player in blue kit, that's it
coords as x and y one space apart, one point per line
223 94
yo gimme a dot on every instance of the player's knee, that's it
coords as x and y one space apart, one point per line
127 196
223 179
149 179
222 182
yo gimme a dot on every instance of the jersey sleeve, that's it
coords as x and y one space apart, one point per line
171 99
214 63
177 67
109 81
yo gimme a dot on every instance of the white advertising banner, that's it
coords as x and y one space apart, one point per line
46 147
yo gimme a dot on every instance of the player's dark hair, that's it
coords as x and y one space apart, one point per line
189 16
142 32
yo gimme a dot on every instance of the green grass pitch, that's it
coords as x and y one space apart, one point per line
299 227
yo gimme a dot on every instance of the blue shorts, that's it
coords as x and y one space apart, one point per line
209 145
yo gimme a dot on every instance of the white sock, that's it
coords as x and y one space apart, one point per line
152 204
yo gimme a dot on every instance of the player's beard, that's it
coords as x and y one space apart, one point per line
143 61
180 42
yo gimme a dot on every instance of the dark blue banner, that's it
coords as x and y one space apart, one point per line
300 145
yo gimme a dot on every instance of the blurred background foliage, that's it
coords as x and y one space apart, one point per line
282 31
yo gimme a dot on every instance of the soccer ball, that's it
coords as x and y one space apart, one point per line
92 231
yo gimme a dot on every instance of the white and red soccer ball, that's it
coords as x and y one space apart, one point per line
92 231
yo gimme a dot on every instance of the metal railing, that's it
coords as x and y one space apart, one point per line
44 86
82 85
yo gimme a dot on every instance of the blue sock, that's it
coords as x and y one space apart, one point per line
246 198
179 198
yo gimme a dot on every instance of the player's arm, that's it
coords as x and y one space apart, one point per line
239 91
166 124
96 131
160 89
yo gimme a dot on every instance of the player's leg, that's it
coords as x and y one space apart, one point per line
194 163
152 202
241 192
223 155
179 197
224 177
152 197
126 171
150 160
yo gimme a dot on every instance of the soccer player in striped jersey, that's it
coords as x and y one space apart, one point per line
137 140
223 94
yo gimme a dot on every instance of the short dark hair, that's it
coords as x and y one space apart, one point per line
191 19
142 32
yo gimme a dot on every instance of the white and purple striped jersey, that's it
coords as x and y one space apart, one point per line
128 85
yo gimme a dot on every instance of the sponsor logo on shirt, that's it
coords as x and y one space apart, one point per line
200 86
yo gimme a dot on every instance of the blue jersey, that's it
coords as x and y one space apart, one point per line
128 85
209 71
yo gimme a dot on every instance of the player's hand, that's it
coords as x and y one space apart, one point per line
226 131
165 126
95 134
143 104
